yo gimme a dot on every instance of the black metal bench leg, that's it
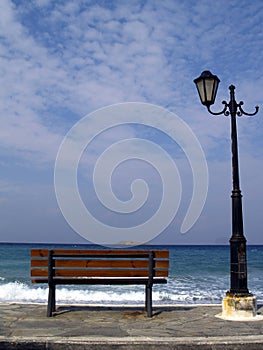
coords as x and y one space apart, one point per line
149 300
146 298
54 299
51 307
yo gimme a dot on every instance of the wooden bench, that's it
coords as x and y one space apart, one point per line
104 267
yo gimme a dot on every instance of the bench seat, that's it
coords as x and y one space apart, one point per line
99 267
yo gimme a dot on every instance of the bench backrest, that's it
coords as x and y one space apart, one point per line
77 263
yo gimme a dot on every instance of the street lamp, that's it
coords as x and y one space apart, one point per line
238 300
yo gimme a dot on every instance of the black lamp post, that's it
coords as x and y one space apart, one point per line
207 85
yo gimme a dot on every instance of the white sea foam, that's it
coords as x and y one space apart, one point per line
117 295
21 292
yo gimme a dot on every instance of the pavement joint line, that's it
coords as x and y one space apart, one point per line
140 340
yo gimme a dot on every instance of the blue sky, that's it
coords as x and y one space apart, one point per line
61 60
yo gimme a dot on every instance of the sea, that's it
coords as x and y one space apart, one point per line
197 275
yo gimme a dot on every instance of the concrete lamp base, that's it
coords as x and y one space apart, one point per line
240 308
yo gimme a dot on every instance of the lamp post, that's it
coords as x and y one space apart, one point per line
238 300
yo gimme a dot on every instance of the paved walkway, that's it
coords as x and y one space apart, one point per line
25 326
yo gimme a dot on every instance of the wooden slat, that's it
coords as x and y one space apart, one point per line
39 252
163 254
97 273
38 262
39 273
100 263
101 273
161 273
39 281
91 273
79 252
162 264
103 281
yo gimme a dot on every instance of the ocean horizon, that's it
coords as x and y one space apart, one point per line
198 274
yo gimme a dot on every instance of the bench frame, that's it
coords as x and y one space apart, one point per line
50 270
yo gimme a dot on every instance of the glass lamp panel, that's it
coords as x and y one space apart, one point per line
209 88
201 90
216 82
